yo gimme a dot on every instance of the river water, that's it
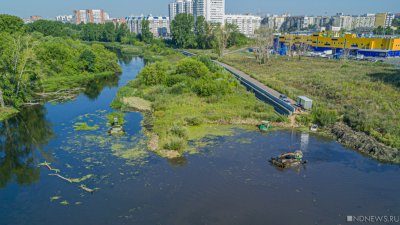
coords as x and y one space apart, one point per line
228 182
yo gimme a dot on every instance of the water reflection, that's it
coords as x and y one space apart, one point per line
21 136
94 88
178 162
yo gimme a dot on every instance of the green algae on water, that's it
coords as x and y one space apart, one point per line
65 202
85 127
54 198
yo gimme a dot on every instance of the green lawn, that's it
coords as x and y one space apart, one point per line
365 95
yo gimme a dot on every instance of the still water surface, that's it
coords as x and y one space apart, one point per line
228 182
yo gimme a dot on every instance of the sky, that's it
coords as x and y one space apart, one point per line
122 8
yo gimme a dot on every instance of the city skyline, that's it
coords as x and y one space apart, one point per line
24 8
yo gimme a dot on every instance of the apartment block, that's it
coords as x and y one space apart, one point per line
384 19
212 10
98 16
247 24
64 18
180 6
159 25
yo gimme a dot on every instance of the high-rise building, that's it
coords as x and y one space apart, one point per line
64 18
180 6
159 25
247 24
212 10
90 16
384 19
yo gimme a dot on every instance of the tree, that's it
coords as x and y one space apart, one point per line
109 34
17 67
264 38
88 58
122 32
302 48
146 35
218 41
202 32
182 30
11 24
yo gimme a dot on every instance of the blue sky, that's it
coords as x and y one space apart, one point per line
121 8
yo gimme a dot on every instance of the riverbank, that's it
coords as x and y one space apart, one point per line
190 99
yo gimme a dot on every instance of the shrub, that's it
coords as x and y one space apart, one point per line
175 143
324 116
154 74
178 131
191 67
193 121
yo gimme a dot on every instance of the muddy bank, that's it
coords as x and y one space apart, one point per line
365 144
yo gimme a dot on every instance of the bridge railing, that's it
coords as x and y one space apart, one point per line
290 109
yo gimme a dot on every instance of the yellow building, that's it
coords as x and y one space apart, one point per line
376 46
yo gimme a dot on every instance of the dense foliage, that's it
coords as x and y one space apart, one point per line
108 32
363 95
32 62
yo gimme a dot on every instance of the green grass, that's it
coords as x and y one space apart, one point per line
7 112
365 95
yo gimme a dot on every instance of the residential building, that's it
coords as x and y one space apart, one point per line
98 16
64 18
118 21
212 10
35 18
247 24
180 6
384 19
342 21
159 25
364 21
276 21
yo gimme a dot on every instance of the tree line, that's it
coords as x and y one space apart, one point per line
28 61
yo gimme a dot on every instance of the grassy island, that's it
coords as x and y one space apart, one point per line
190 98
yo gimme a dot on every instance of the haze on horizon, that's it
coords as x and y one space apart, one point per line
122 8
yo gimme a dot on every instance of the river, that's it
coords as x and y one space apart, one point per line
228 182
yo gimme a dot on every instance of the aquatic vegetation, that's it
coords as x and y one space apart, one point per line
85 127
65 202
244 140
79 180
119 115
54 198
